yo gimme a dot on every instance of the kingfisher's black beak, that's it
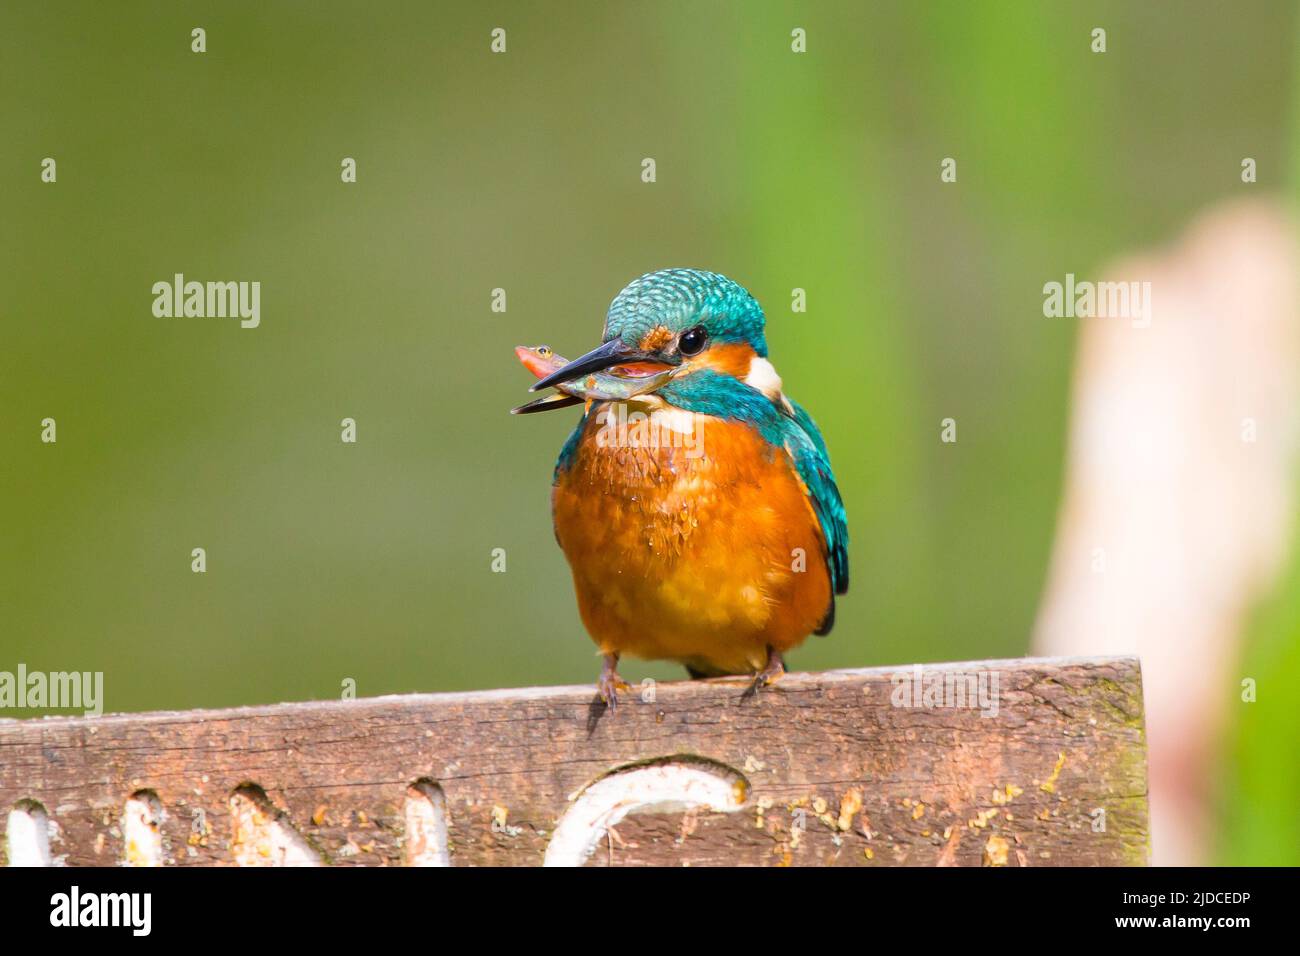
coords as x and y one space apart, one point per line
547 403
614 352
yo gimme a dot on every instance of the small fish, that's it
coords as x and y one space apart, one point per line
540 359
618 384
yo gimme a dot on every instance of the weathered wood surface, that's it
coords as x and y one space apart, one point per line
822 769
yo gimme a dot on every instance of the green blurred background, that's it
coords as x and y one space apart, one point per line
371 561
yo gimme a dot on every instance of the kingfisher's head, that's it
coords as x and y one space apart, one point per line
672 323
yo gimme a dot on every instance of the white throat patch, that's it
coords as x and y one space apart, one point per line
763 377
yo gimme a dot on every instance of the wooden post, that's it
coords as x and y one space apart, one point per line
996 763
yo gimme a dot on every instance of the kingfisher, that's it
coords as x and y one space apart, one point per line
694 500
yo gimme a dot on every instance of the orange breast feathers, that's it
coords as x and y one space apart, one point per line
690 539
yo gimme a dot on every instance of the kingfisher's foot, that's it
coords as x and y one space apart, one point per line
772 672
609 683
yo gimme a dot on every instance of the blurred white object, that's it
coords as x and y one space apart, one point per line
1178 509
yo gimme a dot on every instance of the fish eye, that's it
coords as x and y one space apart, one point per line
543 351
692 341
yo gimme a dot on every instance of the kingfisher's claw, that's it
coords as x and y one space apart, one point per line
609 683
772 672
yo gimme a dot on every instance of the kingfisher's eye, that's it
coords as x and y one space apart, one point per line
692 341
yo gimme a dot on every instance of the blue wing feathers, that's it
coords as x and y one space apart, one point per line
807 449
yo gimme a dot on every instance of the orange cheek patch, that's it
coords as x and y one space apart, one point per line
731 359
656 338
